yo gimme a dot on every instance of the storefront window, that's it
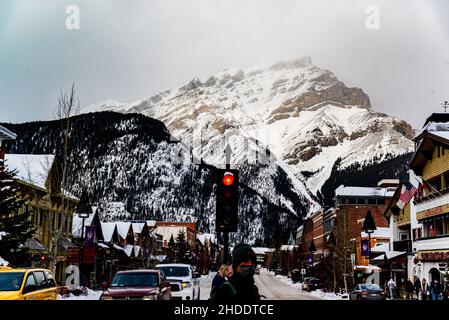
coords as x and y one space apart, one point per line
438 226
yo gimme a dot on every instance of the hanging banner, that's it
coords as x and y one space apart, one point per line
365 248
310 260
89 236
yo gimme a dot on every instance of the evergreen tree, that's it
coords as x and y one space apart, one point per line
16 229
183 253
171 253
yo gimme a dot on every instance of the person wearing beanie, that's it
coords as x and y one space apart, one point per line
240 287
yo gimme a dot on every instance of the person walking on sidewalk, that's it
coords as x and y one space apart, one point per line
435 290
425 290
410 289
240 288
223 275
392 288
446 290
417 286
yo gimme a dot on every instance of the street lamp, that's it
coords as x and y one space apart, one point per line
369 226
84 216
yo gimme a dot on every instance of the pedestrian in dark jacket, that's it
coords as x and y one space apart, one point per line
240 288
446 291
425 290
410 288
417 286
435 290
221 277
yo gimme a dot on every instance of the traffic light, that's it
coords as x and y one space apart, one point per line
227 200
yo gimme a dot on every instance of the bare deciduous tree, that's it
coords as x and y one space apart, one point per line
68 106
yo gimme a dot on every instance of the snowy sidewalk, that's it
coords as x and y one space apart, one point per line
91 295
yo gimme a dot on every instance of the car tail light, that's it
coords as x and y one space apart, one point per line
364 293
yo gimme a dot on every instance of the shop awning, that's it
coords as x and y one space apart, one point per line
34 246
388 255
102 245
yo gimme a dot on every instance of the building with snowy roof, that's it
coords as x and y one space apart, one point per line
429 212
5 135
352 204
40 189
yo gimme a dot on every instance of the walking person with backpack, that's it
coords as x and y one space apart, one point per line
241 286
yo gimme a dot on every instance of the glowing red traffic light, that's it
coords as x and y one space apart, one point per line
228 179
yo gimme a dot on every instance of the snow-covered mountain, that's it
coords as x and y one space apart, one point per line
301 116
129 159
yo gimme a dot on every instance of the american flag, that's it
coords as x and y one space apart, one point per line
407 193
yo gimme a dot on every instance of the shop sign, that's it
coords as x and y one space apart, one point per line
433 256
433 212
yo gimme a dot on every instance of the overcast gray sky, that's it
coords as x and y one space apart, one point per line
127 50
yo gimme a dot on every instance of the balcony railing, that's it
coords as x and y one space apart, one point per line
403 246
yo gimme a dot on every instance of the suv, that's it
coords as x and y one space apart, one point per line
27 284
311 284
138 285
184 274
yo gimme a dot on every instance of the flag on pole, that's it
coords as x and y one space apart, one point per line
415 180
407 193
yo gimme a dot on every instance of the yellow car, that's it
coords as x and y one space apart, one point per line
27 284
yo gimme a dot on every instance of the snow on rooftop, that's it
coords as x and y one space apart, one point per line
381 248
389 255
206 236
128 249
288 247
107 229
31 168
343 191
151 223
378 233
442 134
261 250
6 134
123 228
3 262
137 227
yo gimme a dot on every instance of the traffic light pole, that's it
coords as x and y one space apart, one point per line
226 234
226 248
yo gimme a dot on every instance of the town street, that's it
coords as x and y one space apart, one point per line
269 286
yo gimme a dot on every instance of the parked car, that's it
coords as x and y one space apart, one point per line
27 284
367 292
138 285
311 284
185 274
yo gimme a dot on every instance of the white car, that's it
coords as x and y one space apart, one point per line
185 274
